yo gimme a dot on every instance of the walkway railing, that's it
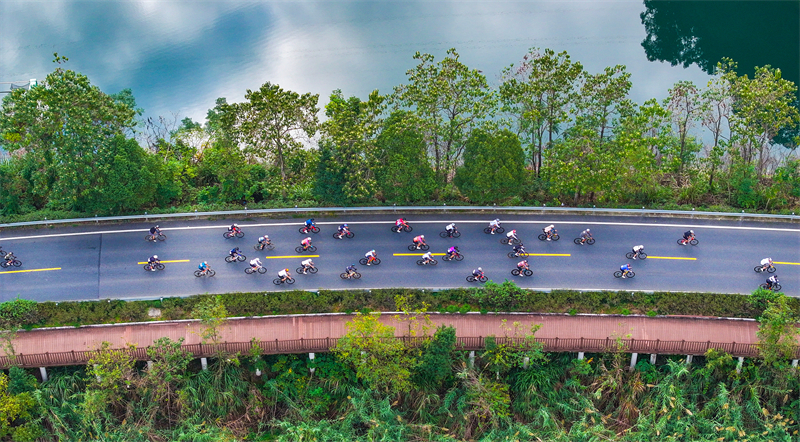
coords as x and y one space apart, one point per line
323 345
416 209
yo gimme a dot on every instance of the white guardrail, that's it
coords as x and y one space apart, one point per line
410 209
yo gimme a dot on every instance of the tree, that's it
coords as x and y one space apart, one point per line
403 173
67 126
270 122
436 359
601 96
777 331
538 94
684 106
450 100
494 166
16 411
212 314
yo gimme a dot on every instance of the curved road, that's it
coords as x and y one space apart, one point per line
100 262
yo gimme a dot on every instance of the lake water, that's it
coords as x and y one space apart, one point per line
179 56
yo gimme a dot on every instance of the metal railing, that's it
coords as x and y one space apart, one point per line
411 209
322 345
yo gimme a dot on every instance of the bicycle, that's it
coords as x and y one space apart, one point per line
157 266
154 238
457 256
279 281
480 278
306 229
404 227
237 233
421 262
268 246
693 241
447 234
13 262
513 241
207 272
513 255
354 275
580 241
523 272
770 269
346 234
641 255
498 229
364 261
554 236
299 249
775 287
239 257
628 274
251 270
424 247
306 271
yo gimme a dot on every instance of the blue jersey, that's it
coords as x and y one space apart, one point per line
625 268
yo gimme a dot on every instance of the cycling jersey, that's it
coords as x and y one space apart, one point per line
234 251
638 248
283 274
585 234
625 268
766 262
306 241
307 263
451 250
309 222
370 253
400 222
255 262
419 239
522 264
202 266
428 255
548 228
495 223
450 227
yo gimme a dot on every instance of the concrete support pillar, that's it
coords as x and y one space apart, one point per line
634 357
311 358
43 372
794 362
580 355
525 362
653 358
204 363
472 358
149 365
739 365
688 359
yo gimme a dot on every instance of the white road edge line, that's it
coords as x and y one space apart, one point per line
298 225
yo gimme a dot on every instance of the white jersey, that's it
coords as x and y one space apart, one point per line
255 262
306 263
511 234
637 248
766 262
450 226
370 253
428 255
494 223
283 274
549 228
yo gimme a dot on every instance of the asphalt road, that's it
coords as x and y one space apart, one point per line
100 262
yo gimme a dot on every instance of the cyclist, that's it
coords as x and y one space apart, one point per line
306 243
519 249
343 229
452 252
494 224
625 269
766 263
450 229
152 262
234 228
263 241
549 230
512 235
687 236
637 250
400 223
586 234
350 270
9 257
203 267
235 252
154 232
477 272
309 224
427 258
255 264
307 264
419 241
523 265
771 281
371 256
284 274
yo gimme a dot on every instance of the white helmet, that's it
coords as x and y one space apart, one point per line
155 256
422 236
692 232
235 225
480 269
587 230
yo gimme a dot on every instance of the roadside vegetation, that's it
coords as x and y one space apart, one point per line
548 132
369 388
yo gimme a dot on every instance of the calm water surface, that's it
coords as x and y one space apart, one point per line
179 56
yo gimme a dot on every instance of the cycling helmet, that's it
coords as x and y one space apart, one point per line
352 265
235 225
480 269
587 230
514 231
205 263
692 232
345 224
285 270
155 256
422 236
156 226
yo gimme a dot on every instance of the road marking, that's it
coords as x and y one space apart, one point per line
32 270
163 262
670 257
292 256
787 263
416 254
549 254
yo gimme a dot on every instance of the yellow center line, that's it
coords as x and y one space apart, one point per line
416 254
32 270
787 263
162 262
292 256
670 257
549 254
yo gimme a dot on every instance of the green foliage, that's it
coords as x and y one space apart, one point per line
435 361
404 174
777 331
493 166
18 313
211 312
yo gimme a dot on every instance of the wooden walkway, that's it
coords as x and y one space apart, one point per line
318 333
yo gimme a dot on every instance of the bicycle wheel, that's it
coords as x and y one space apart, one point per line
618 274
446 258
500 230
146 267
241 258
290 280
483 278
512 255
471 278
764 286
376 261
303 230
577 241
412 247
771 269
227 235
425 247
631 274
262 270
642 255
298 249
443 234
555 237
312 248
277 281
504 241
258 247
198 273
527 272
681 241
159 266
362 261
487 230
148 238
694 241
542 237
349 234
407 228
249 270
629 255
757 269
299 270
420 262
240 234
210 272
230 258
456 234
459 257
312 270
394 229
515 272
162 237
778 287
590 241
343 276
